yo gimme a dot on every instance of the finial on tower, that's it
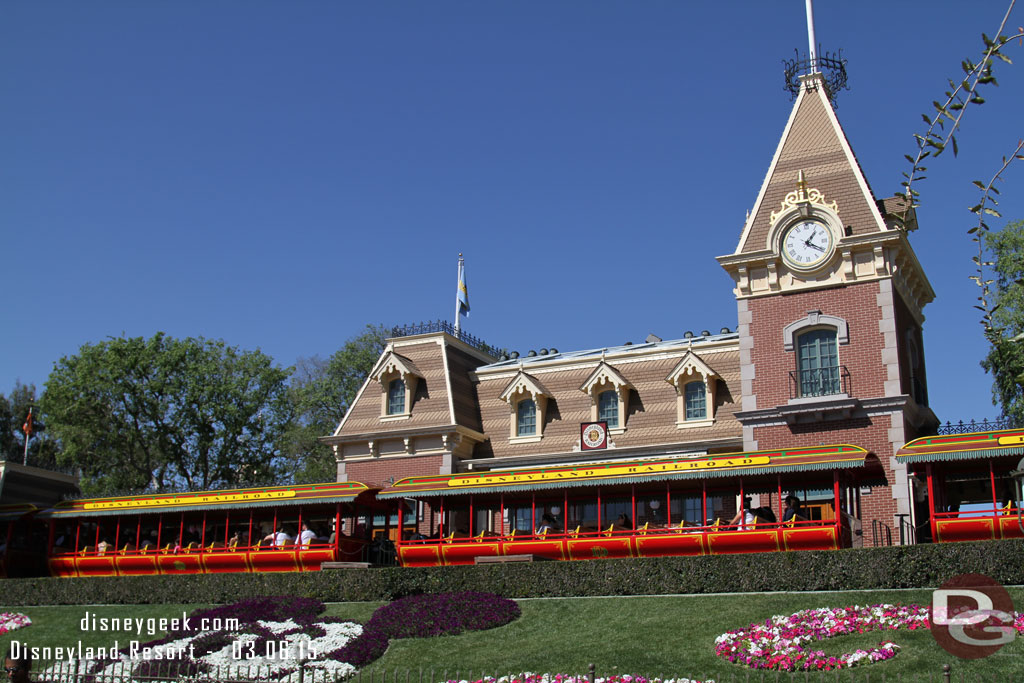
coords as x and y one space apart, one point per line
815 69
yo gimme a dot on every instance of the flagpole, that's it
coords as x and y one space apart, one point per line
458 304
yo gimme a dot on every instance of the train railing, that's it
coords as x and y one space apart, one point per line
645 541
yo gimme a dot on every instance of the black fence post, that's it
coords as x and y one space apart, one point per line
946 672
591 673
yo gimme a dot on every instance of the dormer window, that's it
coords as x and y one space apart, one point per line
528 403
398 378
526 418
609 397
695 384
695 400
608 408
396 397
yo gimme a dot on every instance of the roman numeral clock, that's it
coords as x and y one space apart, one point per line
806 229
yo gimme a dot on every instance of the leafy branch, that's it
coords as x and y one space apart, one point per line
945 122
986 207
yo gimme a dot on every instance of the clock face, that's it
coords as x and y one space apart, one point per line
807 244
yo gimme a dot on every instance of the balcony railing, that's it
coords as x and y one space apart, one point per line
819 382
962 427
444 326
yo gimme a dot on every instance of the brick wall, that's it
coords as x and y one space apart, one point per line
378 472
858 305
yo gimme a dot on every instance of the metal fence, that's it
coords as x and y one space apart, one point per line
177 672
985 425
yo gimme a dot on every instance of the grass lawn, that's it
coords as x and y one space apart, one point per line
666 636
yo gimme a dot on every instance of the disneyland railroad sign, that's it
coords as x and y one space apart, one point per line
611 471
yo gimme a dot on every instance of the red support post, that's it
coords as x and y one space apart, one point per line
931 503
401 521
992 481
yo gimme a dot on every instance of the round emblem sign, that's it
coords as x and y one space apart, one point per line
972 616
594 435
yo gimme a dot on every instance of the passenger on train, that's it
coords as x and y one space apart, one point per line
547 525
148 539
64 539
793 510
622 523
102 547
279 539
745 518
307 536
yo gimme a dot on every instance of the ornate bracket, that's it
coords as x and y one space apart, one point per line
800 197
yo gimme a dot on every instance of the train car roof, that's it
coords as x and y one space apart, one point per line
17 511
267 496
972 446
632 471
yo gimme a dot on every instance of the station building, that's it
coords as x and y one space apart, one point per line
827 349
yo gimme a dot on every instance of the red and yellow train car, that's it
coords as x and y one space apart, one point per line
643 508
972 487
283 528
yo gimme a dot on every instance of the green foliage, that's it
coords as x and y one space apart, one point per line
913 566
164 413
42 449
320 393
1005 359
944 120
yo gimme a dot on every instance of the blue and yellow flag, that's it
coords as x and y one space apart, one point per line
463 293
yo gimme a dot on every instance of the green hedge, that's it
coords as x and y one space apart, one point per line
869 568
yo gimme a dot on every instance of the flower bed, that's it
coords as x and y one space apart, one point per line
275 634
436 614
528 677
11 621
784 643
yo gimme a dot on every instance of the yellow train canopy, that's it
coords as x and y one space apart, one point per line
265 497
749 463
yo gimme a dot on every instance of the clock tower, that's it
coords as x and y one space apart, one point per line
830 300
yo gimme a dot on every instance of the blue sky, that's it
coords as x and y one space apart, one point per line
278 175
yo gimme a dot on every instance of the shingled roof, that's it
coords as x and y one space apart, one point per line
813 142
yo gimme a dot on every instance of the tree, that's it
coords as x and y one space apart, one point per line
1005 359
1001 309
163 414
42 450
321 392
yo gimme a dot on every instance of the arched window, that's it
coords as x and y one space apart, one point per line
817 359
608 408
696 401
526 418
396 397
